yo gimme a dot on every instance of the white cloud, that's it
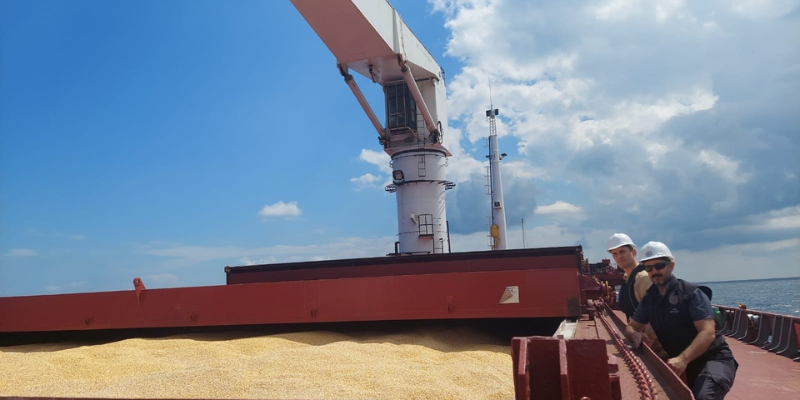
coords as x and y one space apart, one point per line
461 167
366 180
616 10
281 209
727 167
757 260
264 260
781 245
20 253
763 9
559 207
381 161
377 158
627 100
778 258
524 170
785 219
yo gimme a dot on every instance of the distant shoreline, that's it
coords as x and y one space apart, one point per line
753 280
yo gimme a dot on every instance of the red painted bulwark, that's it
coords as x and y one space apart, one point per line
542 293
478 261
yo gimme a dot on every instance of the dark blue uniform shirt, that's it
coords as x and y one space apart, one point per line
672 316
699 304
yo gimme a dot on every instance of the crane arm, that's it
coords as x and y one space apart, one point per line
366 36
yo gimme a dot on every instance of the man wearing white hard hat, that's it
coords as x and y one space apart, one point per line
636 281
681 316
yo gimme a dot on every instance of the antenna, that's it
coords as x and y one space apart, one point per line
524 244
491 103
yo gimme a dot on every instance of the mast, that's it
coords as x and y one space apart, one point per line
497 231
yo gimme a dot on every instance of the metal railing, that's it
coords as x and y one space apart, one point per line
772 332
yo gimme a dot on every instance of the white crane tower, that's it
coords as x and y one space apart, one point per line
368 37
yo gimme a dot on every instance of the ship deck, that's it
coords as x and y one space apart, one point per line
763 375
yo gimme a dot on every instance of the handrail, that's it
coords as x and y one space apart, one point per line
773 332
670 381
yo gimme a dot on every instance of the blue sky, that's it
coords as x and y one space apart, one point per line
167 140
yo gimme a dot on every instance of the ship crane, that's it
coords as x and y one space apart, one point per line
369 38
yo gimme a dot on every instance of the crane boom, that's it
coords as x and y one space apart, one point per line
366 36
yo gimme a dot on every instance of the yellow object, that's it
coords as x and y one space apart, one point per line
494 231
429 363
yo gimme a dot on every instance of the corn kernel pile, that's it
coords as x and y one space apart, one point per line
426 363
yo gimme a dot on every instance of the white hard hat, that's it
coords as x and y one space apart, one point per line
655 250
618 240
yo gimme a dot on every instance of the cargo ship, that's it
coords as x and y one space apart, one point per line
552 311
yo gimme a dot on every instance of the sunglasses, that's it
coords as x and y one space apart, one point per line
658 267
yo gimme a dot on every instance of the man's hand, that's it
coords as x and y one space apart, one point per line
638 337
677 365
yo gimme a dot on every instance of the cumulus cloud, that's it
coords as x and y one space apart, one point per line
281 209
786 219
380 160
524 170
725 166
20 253
559 207
366 180
743 261
670 118
376 158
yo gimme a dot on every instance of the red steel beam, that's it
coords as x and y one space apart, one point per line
542 293
547 368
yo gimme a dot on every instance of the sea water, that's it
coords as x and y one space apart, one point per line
779 295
